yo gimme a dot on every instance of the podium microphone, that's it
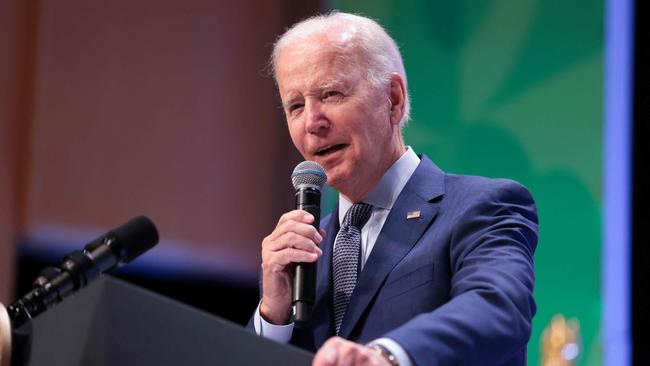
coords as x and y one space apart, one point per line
308 178
111 250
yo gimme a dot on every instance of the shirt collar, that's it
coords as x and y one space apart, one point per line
385 193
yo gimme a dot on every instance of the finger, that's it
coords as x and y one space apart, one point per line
281 262
303 229
366 356
322 232
327 354
297 227
291 255
348 354
292 233
294 241
296 215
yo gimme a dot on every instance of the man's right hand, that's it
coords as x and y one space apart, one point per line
293 240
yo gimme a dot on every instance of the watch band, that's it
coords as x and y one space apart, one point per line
388 355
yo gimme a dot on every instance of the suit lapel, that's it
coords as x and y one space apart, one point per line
398 235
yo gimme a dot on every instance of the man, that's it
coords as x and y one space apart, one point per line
415 266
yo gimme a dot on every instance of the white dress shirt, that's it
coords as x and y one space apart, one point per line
382 197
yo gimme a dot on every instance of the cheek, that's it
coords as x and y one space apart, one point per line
296 137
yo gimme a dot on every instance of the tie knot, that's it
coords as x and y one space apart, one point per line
357 215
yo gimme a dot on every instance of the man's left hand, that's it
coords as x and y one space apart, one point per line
340 352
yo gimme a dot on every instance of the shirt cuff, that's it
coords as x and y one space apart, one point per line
393 347
278 333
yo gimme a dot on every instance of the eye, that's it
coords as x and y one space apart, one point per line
332 95
295 107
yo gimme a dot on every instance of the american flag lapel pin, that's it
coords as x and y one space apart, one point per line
412 215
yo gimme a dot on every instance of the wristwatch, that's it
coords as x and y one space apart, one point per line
388 355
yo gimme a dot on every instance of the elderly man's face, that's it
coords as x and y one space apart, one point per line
336 117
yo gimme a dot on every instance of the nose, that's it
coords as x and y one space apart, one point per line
316 119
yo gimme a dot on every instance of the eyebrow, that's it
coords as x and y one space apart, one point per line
331 84
291 100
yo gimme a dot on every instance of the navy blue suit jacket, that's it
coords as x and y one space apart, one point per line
453 286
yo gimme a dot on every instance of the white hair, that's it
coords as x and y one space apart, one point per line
380 54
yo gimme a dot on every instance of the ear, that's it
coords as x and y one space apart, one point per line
397 98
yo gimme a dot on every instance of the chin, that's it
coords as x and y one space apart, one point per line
333 181
338 181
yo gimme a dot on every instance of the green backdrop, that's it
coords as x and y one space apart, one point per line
513 88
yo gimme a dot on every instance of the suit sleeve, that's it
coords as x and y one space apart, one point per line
488 319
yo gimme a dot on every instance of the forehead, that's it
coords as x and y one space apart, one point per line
314 64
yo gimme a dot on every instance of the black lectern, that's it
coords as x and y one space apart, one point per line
114 323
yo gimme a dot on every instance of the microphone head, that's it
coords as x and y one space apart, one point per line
308 174
134 238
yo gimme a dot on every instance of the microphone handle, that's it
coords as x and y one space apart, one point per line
304 280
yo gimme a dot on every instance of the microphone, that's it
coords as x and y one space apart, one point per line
111 250
308 178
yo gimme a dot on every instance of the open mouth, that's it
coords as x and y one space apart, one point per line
330 149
